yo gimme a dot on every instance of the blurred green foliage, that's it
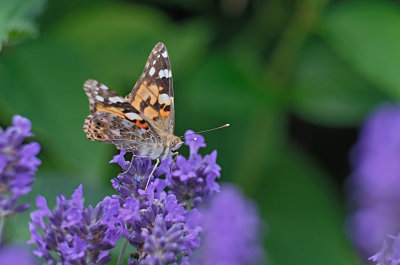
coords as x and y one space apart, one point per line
253 64
17 20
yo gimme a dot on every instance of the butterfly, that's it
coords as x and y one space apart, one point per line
143 122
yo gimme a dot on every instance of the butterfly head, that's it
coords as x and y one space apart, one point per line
175 143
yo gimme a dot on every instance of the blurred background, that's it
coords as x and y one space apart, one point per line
295 79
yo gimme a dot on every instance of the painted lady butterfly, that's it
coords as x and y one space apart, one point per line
143 122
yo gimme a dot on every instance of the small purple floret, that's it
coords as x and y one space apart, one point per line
390 252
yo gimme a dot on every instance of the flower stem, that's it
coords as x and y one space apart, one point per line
122 253
1 228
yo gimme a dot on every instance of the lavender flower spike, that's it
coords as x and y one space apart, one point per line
375 180
194 179
18 163
232 230
153 221
71 233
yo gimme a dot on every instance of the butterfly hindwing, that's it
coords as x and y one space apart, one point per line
153 93
125 135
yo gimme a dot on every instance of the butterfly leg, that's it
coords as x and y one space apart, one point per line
173 161
154 168
130 165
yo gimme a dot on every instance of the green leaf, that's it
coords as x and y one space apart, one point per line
17 19
328 92
366 34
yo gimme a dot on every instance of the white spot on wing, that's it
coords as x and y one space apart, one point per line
133 116
163 73
154 62
115 99
103 87
164 99
152 71
158 56
100 98
165 54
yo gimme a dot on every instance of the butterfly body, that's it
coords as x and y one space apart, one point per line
142 122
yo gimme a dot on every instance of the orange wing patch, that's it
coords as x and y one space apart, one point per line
165 111
165 105
142 124
113 110
146 92
150 94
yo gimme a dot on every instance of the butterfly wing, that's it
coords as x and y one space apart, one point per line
153 93
114 120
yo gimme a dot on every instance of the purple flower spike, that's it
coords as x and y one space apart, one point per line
194 179
153 221
162 244
155 224
375 180
231 231
18 164
71 234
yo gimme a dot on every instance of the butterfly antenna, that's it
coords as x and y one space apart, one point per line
209 130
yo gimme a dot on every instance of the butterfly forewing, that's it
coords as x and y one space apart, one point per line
153 93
